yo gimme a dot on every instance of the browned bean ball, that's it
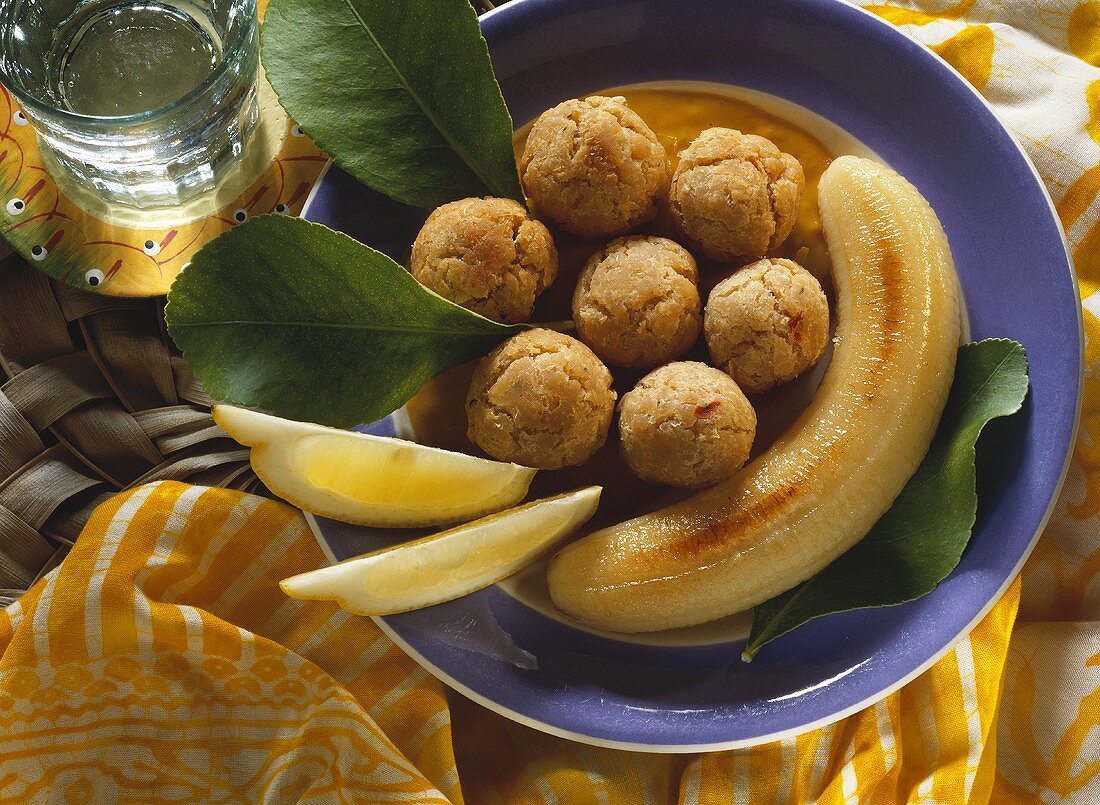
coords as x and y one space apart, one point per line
686 424
767 324
541 399
487 255
593 167
636 303
735 196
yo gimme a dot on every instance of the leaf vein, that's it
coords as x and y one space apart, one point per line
388 328
454 144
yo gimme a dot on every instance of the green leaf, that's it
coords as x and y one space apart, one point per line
293 318
919 541
400 93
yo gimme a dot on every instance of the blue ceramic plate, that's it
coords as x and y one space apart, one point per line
920 116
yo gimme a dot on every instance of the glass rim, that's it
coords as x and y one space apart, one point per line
232 50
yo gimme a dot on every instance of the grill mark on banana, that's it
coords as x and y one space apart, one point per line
822 485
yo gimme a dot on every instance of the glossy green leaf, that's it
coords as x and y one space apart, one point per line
919 541
400 93
293 318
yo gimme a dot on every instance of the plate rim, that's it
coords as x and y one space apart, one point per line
949 646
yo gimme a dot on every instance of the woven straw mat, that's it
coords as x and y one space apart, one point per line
94 400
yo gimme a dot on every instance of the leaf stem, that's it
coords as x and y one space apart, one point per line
567 326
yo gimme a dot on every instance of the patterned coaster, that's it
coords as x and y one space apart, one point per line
127 253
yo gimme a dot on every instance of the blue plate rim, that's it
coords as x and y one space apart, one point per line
905 41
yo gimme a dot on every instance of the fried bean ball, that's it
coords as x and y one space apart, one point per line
636 304
735 196
767 324
487 255
686 424
541 399
593 167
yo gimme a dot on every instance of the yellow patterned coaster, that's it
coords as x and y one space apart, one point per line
133 253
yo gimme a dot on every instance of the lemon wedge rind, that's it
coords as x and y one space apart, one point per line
450 564
371 480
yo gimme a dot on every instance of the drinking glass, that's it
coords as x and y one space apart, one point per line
141 103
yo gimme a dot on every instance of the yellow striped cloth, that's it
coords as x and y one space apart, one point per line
161 663
1038 63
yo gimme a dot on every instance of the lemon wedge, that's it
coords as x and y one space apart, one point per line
449 564
371 480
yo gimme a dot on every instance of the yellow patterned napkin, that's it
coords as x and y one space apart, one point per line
161 663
